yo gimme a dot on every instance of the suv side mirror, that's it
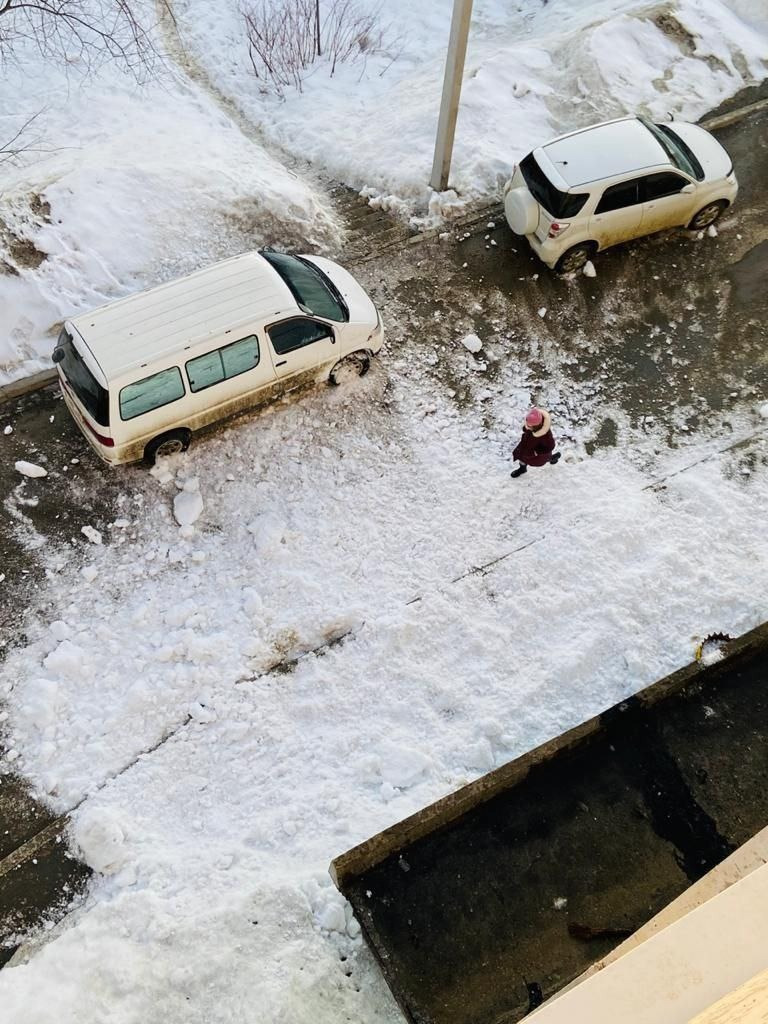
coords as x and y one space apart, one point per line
686 190
58 355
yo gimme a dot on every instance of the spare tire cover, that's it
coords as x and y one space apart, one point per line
522 211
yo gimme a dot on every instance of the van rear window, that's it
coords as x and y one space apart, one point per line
558 204
91 395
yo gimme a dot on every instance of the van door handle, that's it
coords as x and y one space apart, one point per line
282 364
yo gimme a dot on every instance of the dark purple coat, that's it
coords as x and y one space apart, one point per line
533 450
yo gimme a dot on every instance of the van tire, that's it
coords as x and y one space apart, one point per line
707 215
356 364
163 445
575 258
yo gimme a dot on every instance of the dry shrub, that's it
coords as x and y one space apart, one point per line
287 37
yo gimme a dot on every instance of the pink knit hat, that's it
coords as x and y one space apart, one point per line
534 418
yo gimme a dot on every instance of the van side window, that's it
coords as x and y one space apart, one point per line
223 363
617 197
151 393
297 333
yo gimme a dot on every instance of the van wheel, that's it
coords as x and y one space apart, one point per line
163 445
707 215
575 258
357 364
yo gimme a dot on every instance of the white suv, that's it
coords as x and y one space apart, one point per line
593 188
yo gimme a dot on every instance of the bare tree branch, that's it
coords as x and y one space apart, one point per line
89 32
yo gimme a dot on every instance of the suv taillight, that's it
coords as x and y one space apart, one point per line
557 227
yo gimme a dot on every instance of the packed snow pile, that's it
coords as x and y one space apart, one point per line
532 71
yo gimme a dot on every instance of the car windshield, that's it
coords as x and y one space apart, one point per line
312 289
91 394
681 155
558 204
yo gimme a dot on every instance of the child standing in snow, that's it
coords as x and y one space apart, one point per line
537 445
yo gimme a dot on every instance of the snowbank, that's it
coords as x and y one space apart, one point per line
532 71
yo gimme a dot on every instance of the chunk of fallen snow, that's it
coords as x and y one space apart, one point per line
200 713
65 661
543 312
30 469
89 573
188 503
8 429
763 410
59 630
472 343
712 231
589 269
402 766
101 840
91 534
268 532
560 903
332 918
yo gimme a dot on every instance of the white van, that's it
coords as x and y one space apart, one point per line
139 375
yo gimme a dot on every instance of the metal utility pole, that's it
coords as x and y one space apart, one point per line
449 105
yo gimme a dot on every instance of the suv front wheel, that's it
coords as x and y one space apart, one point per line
707 215
575 258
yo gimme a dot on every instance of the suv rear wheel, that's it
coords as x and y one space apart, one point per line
574 259
707 215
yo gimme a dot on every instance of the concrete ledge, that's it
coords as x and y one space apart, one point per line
17 388
444 812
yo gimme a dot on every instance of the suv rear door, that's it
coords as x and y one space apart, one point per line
619 213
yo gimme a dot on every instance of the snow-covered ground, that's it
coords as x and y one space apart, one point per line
324 518
534 69
209 789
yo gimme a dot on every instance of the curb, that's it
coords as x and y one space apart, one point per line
37 381
23 386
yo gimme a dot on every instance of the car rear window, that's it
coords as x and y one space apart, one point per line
91 395
555 202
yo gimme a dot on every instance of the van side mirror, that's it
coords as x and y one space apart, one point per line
688 189
58 355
